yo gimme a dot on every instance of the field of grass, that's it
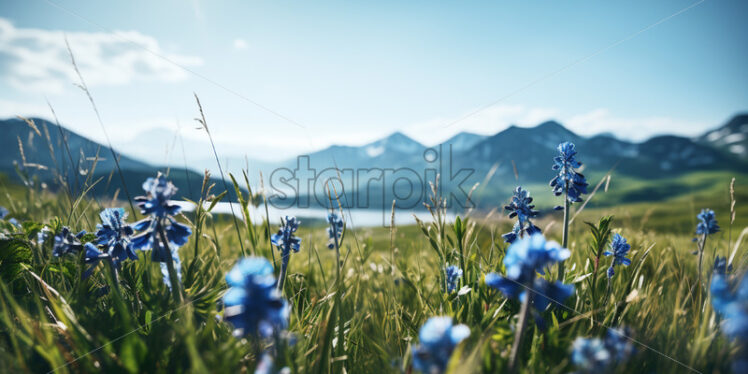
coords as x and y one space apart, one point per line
364 315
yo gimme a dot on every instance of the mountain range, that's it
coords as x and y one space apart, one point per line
513 156
42 150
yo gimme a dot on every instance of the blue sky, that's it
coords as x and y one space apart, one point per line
281 78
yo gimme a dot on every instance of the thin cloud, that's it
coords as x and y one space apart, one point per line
240 44
632 128
37 60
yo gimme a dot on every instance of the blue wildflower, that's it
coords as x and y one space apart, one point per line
285 240
92 257
267 366
438 338
592 355
252 303
115 234
67 242
13 221
547 292
731 302
335 231
707 223
619 344
720 266
160 224
177 267
453 273
157 201
523 259
568 181
521 207
619 249
43 235
3 212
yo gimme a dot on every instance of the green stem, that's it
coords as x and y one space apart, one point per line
519 332
340 348
284 269
176 286
702 245
565 237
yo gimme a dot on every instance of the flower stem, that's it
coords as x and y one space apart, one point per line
340 348
114 274
565 237
607 293
176 286
519 332
284 268
702 244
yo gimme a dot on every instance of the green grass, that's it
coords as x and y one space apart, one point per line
53 319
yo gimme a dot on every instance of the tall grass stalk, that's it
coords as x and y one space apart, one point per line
565 235
204 123
103 128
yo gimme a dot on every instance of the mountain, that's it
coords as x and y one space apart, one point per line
524 156
395 167
393 151
51 152
732 137
463 141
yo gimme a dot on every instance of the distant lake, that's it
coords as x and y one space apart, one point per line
353 217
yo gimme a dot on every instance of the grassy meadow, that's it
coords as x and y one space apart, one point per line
364 316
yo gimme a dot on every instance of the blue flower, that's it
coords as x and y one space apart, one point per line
707 223
267 366
619 249
438 338
252 303
547 292
114 234
453 273
285 239
92 257
160 221
3 212
177 267
720 266
525 258
731 302
43 235
592 355
568 181
532 254
67 242
619 344
611 271
157 201
522 208
335 231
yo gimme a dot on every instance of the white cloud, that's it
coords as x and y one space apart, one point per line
240 44
12 108
633 128
37 60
